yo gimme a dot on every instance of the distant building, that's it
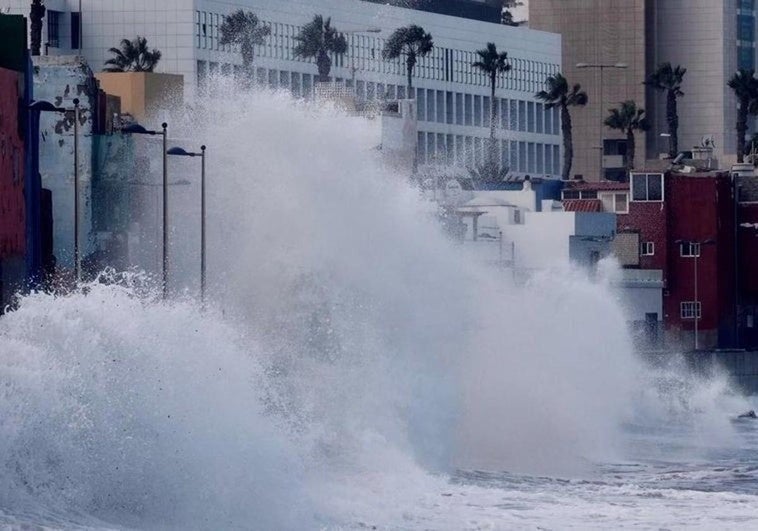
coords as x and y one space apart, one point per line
712 40
453 98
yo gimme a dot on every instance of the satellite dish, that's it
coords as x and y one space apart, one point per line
707 141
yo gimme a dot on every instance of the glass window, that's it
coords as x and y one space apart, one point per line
477 110
530 117
440 106
746 57
556 159
647 187
486 110
429 104
468 111
504 118
421 148
689 249
53 29
458 108
522 116
622 203
459 150
430 148
540 158
689 310
522 157
532 158
548 120
745 27
647 248
75 29
450 119
421 105
514 115
540 118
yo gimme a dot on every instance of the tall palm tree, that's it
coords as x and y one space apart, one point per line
628 118
36 14
669 79
492 63
318 39
558 94
244 29
132 56
412 42
745 87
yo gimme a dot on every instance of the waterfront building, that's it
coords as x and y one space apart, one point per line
711 39
452 96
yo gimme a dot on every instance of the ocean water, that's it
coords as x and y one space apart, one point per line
353 370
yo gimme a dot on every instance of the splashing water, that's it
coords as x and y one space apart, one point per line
350 361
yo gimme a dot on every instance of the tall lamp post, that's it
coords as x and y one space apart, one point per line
183 153
46 106
137 129
695 247
602 67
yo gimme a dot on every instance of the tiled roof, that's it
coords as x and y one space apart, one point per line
582 205
601 185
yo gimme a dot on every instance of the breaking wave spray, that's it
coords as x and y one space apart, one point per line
346 338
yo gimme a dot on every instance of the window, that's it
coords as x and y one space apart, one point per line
75 29
621 205
53 29
689 249
647 187
690 310
571 194
647 248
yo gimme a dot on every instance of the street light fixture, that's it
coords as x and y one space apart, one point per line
695 256
137 129
602 67
183 153
46 106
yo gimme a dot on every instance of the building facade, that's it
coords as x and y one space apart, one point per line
453 98
13 68
711 39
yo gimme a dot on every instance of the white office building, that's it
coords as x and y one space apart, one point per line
453 98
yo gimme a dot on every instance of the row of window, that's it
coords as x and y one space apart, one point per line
470 151
456 108
365 53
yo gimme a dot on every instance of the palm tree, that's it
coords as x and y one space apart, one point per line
628 118
745 87
669 79
413 42
36 14
318 39
492 63
558 94
133 56
244 29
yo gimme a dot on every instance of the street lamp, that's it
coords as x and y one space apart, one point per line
137 129
602 67
695 255
183 153
46 106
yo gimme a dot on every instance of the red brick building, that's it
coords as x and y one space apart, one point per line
673 223
12 211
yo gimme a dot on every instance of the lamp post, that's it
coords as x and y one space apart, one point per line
695 253
602 67
137 129
183 153
46 106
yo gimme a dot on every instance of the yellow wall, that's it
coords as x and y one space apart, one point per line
144 95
